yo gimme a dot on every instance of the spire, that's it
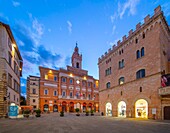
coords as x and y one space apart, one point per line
76 49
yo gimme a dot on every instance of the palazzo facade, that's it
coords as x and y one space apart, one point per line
134 75
68 89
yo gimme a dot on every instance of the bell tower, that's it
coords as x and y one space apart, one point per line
76 58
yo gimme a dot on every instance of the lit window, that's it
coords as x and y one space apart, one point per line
108 85
46 76
121 80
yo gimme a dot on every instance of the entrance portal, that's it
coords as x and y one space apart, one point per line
167 113
108 109
121 109
141 108
55 108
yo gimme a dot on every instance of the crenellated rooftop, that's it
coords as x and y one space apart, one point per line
131 33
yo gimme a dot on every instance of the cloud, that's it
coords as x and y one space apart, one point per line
166 9
129 6
49 30
113 29
113 42
37 29
69 26
4 18
15 3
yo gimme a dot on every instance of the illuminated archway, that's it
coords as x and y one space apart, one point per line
121 109
141 108
108 109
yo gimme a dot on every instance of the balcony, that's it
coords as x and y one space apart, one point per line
165 85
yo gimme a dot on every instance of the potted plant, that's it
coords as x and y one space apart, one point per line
26 113
92 112
62 113
77 110
87 113
38 113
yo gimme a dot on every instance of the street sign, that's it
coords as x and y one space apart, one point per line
13 111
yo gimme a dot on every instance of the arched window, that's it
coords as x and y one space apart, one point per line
77 65
136 40
108 85
137 54
122 63
140 74
121 80
143 35
142 52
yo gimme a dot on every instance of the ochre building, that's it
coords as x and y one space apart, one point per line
68 89
133 75
10 70
33 90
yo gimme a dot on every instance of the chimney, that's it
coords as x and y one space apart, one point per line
146 19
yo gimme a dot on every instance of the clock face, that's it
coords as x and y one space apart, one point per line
78 82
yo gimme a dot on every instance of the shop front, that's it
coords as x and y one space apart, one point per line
121 109
141 108
108 109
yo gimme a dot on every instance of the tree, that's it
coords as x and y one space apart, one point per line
22 100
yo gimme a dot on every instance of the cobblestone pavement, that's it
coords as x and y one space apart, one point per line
70 123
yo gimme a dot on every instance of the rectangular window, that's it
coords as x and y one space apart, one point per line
9 43
55 78
33 100
84 83
89 84
64 94
84 96
71 81
71 94
10 80
89 96
55 93
45 92
9 58
14 97
46 76
63 79
34 91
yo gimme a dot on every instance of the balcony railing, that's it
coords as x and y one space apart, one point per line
165 85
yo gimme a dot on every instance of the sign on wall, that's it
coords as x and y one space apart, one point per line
153 111
13 110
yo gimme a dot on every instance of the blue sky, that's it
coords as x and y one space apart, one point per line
46 31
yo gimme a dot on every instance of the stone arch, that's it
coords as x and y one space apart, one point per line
108 109
141 97
141 108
